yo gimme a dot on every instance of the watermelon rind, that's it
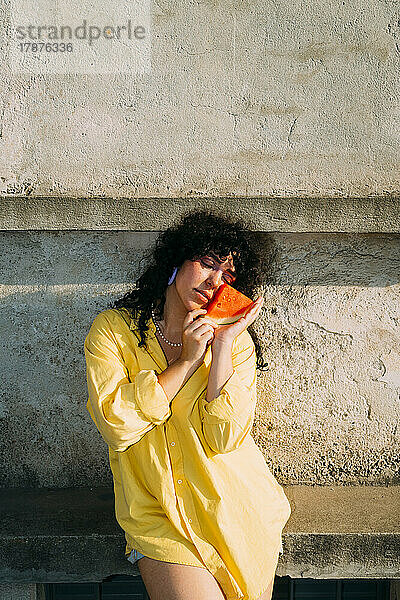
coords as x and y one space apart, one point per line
227 320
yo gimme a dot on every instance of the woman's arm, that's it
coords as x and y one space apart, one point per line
176 375
196 335
123 409
227 419
227 410
221 368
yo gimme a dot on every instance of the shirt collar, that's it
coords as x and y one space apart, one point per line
133 325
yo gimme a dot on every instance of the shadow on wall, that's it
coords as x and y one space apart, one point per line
328 406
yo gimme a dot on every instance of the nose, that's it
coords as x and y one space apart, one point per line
214 279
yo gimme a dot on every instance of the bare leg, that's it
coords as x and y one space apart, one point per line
170 581
267 595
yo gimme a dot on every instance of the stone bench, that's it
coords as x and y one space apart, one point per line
71 535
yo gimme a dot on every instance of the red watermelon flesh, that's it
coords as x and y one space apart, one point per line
227 305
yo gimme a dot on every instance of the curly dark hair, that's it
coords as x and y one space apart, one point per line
198 232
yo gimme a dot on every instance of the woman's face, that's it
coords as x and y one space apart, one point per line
197 281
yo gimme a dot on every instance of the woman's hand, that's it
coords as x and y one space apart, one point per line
197 334
225 334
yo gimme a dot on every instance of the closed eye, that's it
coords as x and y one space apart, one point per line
208 265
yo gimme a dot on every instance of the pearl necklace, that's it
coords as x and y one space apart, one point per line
161 333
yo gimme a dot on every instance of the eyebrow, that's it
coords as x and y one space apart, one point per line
215 257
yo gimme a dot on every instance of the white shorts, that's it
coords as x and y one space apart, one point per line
133 558
135 555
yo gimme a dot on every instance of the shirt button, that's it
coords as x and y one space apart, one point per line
190 520
179 480
172 443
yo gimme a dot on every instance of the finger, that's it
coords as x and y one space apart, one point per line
207 332
209 341
204 328
195 325
252 314
201 321
192 314
249 310
208 335
206 319
257 304
195 311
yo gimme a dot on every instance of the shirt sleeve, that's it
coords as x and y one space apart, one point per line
228 418
122 410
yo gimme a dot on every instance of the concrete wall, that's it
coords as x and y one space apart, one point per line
244 99
328 409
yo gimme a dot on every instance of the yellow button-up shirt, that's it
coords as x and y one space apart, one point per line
191 486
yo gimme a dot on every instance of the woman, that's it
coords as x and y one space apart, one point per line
173 395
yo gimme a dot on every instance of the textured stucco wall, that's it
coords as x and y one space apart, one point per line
328 409
286 215
244 99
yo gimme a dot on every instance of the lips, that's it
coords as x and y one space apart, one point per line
204 295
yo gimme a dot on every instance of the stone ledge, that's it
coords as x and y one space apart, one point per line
358 215
67 535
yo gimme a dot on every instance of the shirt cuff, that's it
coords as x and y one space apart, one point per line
151 397
232 404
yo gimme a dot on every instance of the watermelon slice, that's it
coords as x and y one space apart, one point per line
227 305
